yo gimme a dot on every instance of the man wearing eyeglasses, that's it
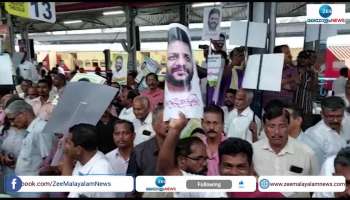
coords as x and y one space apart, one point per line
328 136
189 154
185 157
36 144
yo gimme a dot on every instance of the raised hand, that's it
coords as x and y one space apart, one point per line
178 124
254 129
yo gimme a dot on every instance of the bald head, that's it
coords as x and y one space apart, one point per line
141 107
143 100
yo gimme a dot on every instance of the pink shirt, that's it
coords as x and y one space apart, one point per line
213 162
154 97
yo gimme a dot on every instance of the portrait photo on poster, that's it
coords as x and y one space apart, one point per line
119 68
182 90
211 23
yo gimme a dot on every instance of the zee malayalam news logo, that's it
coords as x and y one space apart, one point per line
160 182
325 13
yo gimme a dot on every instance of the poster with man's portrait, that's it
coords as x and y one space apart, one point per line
182 90
211 23
5 38
147 66
119 68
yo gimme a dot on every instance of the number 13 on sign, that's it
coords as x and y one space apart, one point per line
44 11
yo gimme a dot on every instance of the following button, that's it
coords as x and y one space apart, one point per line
209 184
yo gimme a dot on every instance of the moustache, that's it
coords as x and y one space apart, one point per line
276 137
228 102
211 131
179 69
335 124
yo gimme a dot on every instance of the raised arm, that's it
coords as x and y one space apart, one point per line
166 164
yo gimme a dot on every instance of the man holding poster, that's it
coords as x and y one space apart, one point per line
182 92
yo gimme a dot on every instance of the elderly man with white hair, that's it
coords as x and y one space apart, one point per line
240 119
36 144
143 121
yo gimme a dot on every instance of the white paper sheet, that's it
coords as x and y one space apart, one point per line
6 70
256 35
208 29
213 69
271 72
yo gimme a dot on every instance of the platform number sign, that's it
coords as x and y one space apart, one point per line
43 11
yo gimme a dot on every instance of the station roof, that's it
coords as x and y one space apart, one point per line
148 14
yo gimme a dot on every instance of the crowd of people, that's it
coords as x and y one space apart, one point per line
131 137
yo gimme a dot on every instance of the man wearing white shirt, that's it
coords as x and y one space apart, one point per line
327 137
36 144
241 117
59 82
229 102
81 145
143 122
126 99
280 154
339 84
123 137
